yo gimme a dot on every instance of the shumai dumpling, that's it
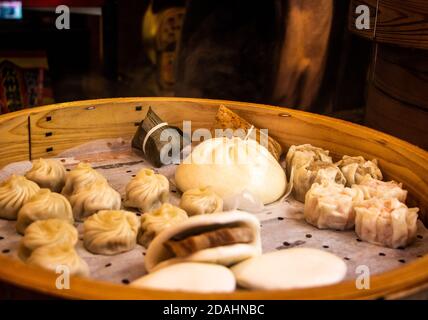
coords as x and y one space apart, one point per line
59 255
356 168
147 191
301 155
373 188
318 171
330 205
201 201
46 232
110 232
81 176
47 173
386 222
14 192
92 198
153 223
44 205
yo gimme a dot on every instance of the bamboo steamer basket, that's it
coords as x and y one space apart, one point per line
48 130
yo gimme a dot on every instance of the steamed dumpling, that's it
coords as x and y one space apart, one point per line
304 154
44 205
201 201
330 205
356 168
46 232
382 189
231 165
91 198
59 255
147 191
153 223
47 173
110 232
81 176
386 222
318 171
14 192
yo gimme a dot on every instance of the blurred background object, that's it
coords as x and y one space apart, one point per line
302 54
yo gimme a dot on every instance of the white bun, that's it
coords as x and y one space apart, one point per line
189 276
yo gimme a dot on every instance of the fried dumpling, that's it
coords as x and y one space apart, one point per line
47 173
318 171
44 205
59 255
373 188
330 205
356 168
14 192
231 165
147 191
46 232
81 176
386 222
201 201
304 154
92 198
110 232
153 223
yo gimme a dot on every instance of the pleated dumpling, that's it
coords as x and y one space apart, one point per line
14 192
373 188
153 223
304 154
92 198
59 255
44 205
47 173
318 171
386 222
356 168
330 205
201 201
81 176
147 191
44 233
110 232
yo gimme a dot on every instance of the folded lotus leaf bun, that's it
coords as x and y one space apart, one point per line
159 256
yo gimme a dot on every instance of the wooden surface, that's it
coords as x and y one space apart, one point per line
74 124
14 144
398 22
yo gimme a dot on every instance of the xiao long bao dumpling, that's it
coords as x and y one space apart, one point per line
44 233
301 155
14 192
147 191
81 176
314 172
92 198
386 222
110 232
382 189
330 205
231 165
356 168
59 255
153 223
44 205
47 173
201 201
